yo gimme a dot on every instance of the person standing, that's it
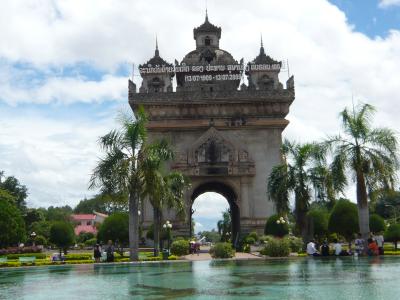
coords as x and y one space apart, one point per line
359 243
97 253
379 241
110 251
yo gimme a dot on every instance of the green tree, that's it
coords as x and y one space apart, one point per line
12 227
62 213
116 229
344 219
62 235
367 154
16 189
302 171
32 216
118 172
42 228
392 234
376 223
211 236
319 220
225 226
103 203
6 196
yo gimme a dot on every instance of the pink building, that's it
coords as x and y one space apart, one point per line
88 222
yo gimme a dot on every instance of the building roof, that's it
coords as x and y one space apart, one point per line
207 27
79 217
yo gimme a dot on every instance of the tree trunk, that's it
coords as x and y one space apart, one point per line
133 226
156 226
362 203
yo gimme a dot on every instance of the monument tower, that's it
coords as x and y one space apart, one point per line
226 137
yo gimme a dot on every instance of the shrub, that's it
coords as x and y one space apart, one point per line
78 256
254 235
392 234
376 223
344 219
91 243
180 248
19 250
84 236
276 226
37 255
295 243
41 240
277 248
249 240
172 257
222 250
247 248
265 238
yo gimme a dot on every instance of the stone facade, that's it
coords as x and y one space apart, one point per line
226 138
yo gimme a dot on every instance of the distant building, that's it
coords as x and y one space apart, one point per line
87 222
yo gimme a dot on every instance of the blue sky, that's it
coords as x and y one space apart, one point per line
64 67
372 17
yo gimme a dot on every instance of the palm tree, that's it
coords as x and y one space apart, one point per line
369 154
225 226
162 190
301 172
118 172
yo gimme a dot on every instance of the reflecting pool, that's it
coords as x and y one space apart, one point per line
302 278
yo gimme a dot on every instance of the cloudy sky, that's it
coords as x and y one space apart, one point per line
64 67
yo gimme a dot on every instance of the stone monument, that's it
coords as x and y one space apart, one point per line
226 137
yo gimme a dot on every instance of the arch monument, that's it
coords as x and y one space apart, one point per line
226 136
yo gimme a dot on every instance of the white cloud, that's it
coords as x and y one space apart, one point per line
387 3
331 62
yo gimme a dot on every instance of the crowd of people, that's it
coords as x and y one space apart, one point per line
374 247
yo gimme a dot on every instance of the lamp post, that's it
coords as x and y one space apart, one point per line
168 227
33 236
394 210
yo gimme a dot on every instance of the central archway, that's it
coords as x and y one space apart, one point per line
229 194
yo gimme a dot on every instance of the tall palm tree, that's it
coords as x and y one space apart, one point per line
118 172
163 190
369 154
301 172
225 226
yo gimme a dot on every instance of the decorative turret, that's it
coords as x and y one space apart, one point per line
157 74
262 73
207 34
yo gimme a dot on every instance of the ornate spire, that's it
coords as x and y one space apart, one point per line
206 20
262 46
156 53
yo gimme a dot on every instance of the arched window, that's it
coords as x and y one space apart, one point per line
207 41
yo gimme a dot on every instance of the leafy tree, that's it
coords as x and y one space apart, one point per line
376 223
103 203
62 235
16 189
118 171
277 226
225 226
116 229
32 216
12 227
42 228
344 219
388 204
319 220
6 196
392 234
84 236
62 213
367 154
302 171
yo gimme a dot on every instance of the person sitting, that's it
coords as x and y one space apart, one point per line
325 248
311 250
373 249
337 247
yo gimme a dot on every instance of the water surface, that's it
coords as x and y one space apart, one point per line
303 278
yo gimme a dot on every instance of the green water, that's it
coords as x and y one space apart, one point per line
307 278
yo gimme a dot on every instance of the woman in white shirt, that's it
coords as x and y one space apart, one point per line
337 247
